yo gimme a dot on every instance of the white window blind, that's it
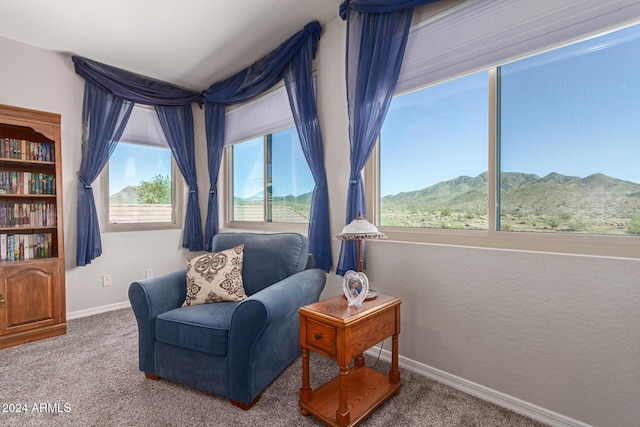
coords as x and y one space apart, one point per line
266 114
144 127
478 34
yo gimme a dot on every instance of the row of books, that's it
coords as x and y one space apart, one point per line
13 182
21 149
31 214
19 247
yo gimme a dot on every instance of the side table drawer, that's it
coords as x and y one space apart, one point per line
321 337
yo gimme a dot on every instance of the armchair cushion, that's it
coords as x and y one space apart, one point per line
215 277
201 327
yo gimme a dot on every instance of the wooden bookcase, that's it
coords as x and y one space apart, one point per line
32 289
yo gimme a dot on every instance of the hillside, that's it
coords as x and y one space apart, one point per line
126 195
285 208
597 203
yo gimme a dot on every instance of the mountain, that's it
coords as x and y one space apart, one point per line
468 193
595 197
303 199
444 190
511 180
126 195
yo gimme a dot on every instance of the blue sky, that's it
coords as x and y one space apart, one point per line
290 174
574 111
132 163
428 139
248 169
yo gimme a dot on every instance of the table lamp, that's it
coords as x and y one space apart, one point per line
360 229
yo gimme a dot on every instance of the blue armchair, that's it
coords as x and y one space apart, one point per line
233 349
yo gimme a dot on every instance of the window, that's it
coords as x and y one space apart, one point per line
570 138
538 153
268 180
141 177
272 182
439 134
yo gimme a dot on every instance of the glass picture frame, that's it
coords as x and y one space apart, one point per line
355 286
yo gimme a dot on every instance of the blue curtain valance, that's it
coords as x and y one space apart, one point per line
264 73
380 6
292 60
133 87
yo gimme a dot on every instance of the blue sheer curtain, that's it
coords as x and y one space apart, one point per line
298 79
104 117
380 6
174 121
377 33
122 87
215 126
298 51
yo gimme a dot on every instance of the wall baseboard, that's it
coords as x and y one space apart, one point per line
97 310
504 400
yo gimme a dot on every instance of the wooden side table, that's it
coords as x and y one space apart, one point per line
341 333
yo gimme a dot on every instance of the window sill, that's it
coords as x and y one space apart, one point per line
116 228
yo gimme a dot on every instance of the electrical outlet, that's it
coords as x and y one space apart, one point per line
106 280
149 273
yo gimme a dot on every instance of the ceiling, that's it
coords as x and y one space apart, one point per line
190 43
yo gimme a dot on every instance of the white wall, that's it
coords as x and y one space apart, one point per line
42 80
558 332
334 122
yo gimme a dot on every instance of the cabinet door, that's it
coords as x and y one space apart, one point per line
31 297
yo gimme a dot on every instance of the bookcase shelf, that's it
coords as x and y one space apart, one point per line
26 196
32 289
26 163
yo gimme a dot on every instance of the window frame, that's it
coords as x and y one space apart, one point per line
263 226
177 201
279 118
618 246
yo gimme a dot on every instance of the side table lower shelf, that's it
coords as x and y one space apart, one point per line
367 389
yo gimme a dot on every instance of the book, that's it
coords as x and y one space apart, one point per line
3 247
10 248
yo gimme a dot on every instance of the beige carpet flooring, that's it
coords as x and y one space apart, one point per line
90 377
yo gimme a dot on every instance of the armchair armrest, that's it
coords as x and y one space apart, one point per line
149 298
267 323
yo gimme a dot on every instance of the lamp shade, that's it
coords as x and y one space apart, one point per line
360 229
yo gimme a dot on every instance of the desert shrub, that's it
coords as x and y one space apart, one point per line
634 226
553 222
578 226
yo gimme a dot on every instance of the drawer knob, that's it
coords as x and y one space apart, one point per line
317 336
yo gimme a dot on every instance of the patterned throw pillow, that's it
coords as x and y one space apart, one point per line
215 277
